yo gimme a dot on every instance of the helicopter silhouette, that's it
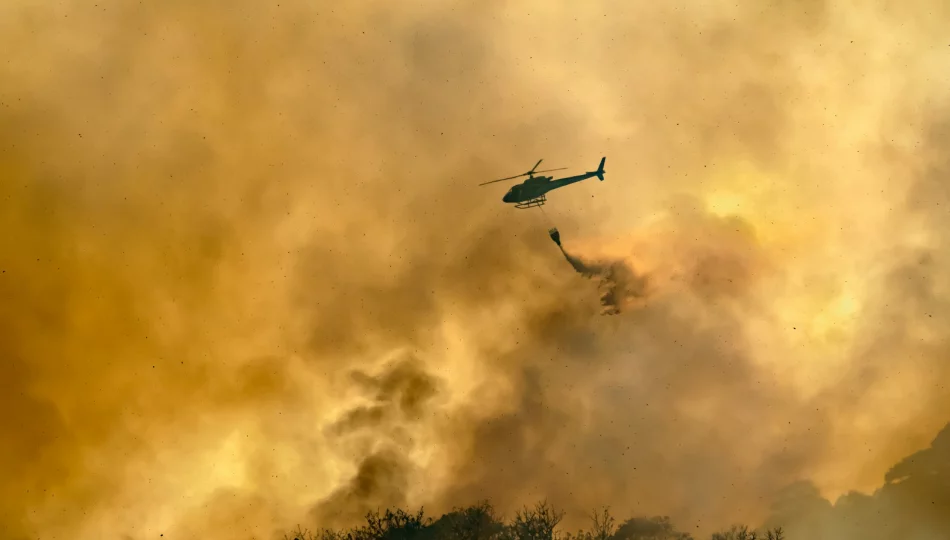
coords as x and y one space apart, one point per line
532 192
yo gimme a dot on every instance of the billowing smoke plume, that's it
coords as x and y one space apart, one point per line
247 279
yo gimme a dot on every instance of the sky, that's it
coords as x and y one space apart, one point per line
249 279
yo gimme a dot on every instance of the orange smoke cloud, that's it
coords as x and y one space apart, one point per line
247 280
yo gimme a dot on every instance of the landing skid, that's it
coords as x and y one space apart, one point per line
533 203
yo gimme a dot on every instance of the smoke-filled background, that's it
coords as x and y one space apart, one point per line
248 279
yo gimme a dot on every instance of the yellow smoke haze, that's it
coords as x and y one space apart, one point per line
249 281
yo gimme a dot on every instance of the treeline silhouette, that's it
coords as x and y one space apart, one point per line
912 504
540 522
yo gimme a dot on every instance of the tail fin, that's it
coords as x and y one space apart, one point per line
600 169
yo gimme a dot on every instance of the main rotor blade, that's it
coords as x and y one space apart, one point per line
503 179
529 173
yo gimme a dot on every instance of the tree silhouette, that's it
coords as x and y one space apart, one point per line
536 523
741 532
398 525
540 522
655 528
477 522
602 527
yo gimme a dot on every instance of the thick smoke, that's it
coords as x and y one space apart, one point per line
248 280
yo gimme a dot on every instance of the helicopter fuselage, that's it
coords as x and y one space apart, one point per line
535 187
530 193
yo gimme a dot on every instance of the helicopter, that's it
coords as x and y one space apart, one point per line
532 192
